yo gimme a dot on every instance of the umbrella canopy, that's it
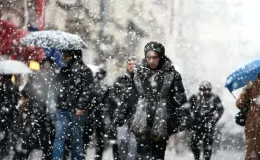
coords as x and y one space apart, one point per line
54 39
13 67
247 72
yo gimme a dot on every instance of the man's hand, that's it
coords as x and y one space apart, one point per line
79 112
23 104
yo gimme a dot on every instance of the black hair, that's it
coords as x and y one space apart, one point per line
159 49
74 54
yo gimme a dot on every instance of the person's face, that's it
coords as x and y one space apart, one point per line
66 57
152 59
204 92
47 65
130 66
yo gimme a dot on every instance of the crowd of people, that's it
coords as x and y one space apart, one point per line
138 113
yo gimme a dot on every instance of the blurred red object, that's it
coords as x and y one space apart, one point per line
9 43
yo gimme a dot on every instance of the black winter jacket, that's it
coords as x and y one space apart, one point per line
72 87
206 110
152 83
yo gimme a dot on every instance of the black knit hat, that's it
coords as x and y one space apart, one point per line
155 46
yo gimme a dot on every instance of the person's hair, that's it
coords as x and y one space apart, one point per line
74 54
131 59
205 85
159 49
155 46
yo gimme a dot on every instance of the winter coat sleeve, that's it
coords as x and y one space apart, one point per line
124 98
117 100
178 91
192 103
119 117
219 109
179 99
244 96
85 83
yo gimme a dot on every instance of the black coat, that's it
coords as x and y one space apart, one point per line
27 127
9 96
36 89
206 110
152 83
123 97
72 87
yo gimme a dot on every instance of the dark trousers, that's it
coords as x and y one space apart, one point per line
4 143
44 136
148 149
95 123
206 137
47 137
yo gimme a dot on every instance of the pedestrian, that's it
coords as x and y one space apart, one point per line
249 100
125 139
96 117
35 129
72 87
207 109
157 111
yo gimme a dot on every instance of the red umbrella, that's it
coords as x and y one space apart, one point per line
10 45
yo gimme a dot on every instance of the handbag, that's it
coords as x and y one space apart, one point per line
241 116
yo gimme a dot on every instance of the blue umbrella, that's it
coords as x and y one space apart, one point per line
247 72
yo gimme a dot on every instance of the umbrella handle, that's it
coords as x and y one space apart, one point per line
233 94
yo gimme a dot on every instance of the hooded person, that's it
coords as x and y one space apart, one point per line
72 87
157 112
207 109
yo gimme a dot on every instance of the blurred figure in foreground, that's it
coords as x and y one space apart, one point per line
32 128
249 100
9 96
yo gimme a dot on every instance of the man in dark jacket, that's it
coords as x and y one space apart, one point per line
122 85
72 87
96 117
157 112
206 109
9 95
